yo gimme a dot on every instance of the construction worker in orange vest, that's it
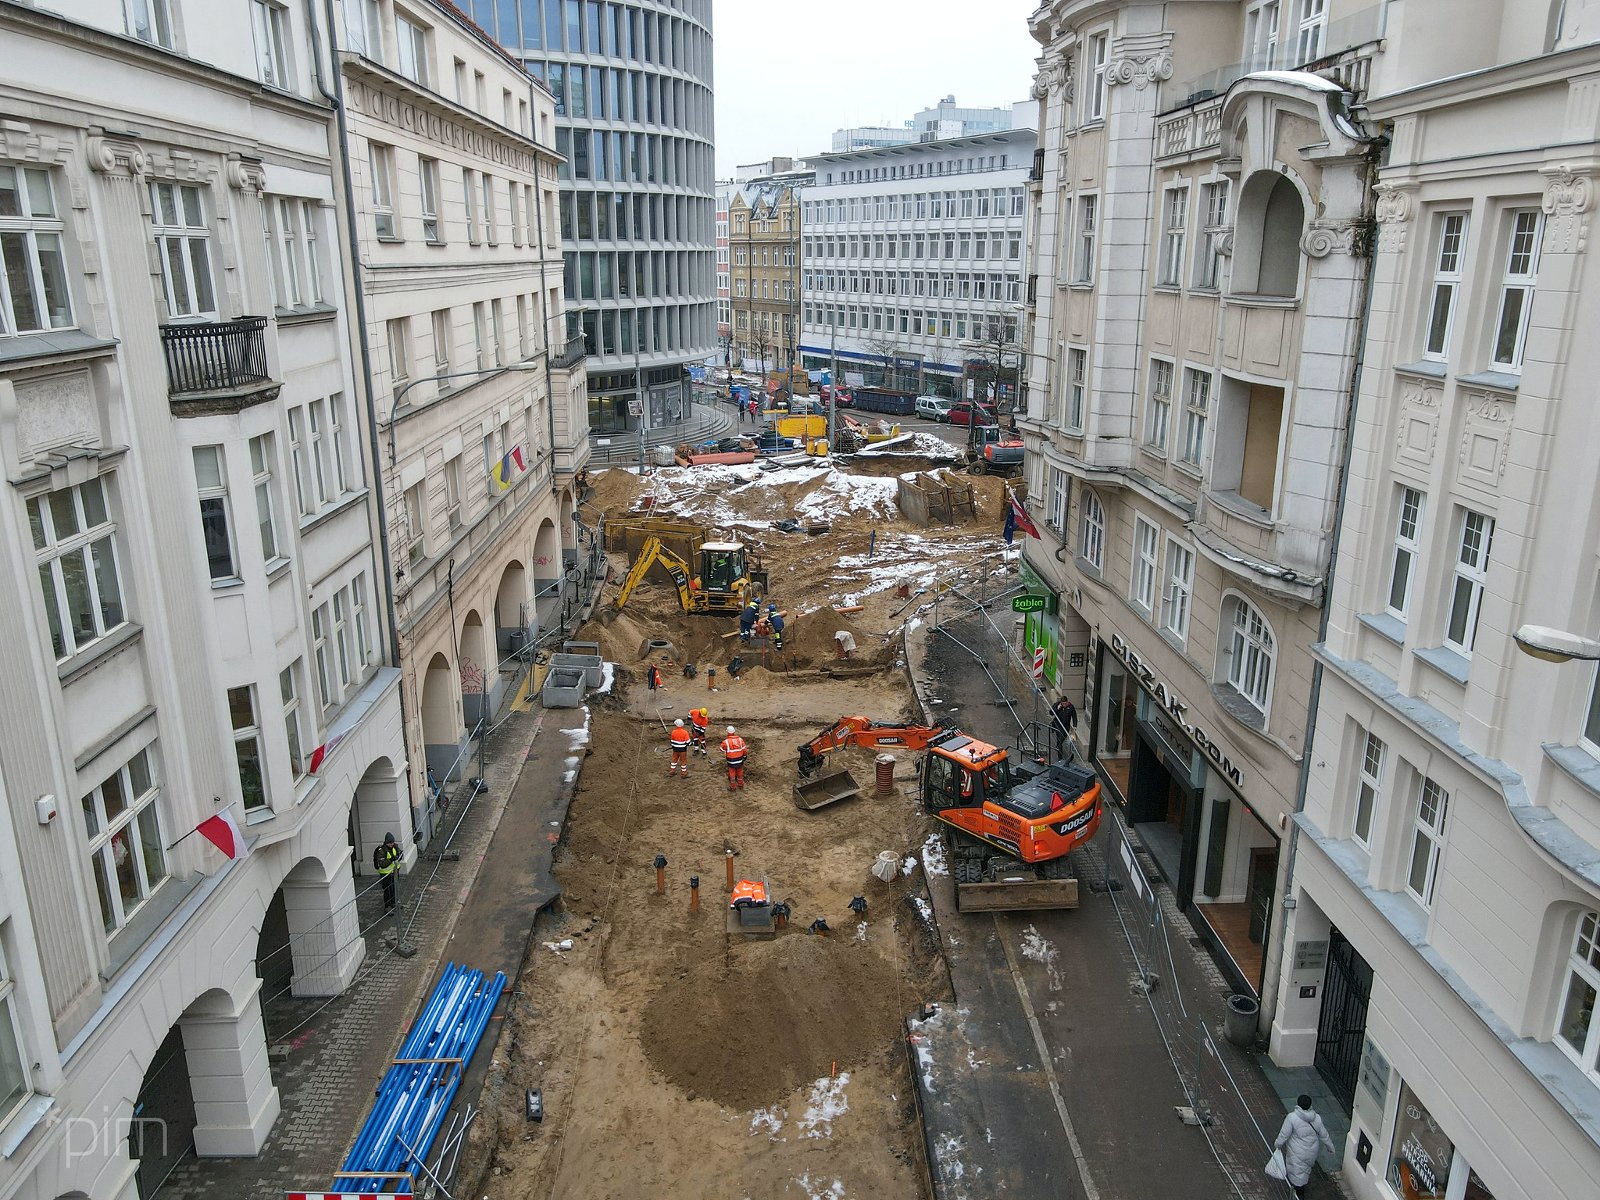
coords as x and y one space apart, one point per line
733 752
699 723
680 749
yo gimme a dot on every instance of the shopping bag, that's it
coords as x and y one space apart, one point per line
1276 1168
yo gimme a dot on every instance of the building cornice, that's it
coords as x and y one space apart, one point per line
1557 68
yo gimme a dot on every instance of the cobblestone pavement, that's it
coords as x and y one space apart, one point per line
338 1049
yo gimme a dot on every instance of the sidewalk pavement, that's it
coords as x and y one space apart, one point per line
476 906
1055 1075
711 416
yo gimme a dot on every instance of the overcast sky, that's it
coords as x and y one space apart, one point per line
788 75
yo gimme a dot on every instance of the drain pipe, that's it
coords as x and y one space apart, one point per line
544 315
1326 616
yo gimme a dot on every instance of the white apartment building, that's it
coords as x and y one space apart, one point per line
725 192
194 600
1447 875
912 255
479 396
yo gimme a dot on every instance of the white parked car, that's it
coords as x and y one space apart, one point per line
933 408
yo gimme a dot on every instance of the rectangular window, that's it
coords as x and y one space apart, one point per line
15 1084
1408 522
1261 35
74 542
127 852
318 425
1446 283
1196 411
489 233
1208 269
292 248
480 333
1087 206
211 478
261 454
1427 839
399 354
489 461
428 181
1056 515
1099 55
1179 590
247 746
1516 291
1313 21
289 691
1077 385
299 449
341 637
416 523
319 648
33 272
1158 413
1368 782
358 610
183 244
469 200
452 491
1092 532
380 165
441 343
1466 589
1174 231
1146 543
497 327
269 22
149 21
346 468
411 50
1577 1032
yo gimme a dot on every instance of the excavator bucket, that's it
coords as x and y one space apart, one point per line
825 790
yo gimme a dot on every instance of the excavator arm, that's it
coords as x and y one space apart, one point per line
651 551
859 731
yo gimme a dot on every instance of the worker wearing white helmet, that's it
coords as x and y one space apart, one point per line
733 753
679 745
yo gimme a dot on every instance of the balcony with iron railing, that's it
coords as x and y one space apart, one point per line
217 366
571 354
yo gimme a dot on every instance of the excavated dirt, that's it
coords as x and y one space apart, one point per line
674 1060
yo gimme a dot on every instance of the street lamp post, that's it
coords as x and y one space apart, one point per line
480 373
1555 645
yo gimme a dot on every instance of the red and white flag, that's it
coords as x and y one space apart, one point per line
223 832
320 754
1024 522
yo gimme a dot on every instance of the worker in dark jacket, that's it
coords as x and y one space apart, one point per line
386 860
1066 720
775 623
748 619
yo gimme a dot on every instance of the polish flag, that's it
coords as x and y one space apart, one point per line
222 831
320 754
1024 522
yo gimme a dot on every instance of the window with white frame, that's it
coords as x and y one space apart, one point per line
469 200
416 524
1208 263
380 166
247 746
1467 582
292 248
1252 654
370 28
127 852
15 1082
261 457
1261 35
399 353
1142 577
1174 233
183 244
341 638
441 342
1179 591
1088 207
1196 412
1369 781
1056 515
294 732
489 233
512 196
149 21
1427 839
411 50
1577 1032
321 654
1591 724
1310 27
1077 384
269 23
1099 83
428 181
358 622
1447 263
211 480
346 473
1158 412
322 476
1407 527
74 539
33 273
497 327
453 491
1092 532
1516 291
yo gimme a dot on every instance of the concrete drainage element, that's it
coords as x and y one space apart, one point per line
563 688
591 665
657 646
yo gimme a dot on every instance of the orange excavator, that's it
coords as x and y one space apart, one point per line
1009 825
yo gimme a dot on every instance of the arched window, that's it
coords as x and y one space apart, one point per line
1266 244
1577 1032
1252 653
1092 531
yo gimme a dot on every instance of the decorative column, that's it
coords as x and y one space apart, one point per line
225 1044
325 939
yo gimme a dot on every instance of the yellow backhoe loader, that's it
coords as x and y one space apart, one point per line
728 571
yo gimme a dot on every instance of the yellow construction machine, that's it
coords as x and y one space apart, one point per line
728 571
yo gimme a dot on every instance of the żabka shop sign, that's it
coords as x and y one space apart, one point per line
1176 708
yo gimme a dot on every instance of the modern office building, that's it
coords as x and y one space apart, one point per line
633 110
947 119
911 255
764 246
478 393
871 137
194 619
1311 287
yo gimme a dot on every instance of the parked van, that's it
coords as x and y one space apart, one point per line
934 408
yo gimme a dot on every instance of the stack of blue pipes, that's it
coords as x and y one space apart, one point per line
418 1088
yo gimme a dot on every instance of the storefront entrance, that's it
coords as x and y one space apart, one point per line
1424 1163
1342 1025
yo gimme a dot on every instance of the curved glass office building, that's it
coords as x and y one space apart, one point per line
632 84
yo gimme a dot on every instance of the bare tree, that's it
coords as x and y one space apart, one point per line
993 357
761 345
887 347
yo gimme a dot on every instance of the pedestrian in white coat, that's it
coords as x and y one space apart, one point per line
1302 1133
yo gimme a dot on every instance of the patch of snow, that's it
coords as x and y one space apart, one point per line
769 1120
933 859
608 674
833 1190
1039 950
909 865
826 1104
947 1150
861 931
924 910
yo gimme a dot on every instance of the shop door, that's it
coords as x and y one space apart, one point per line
1342 1026
1263 883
